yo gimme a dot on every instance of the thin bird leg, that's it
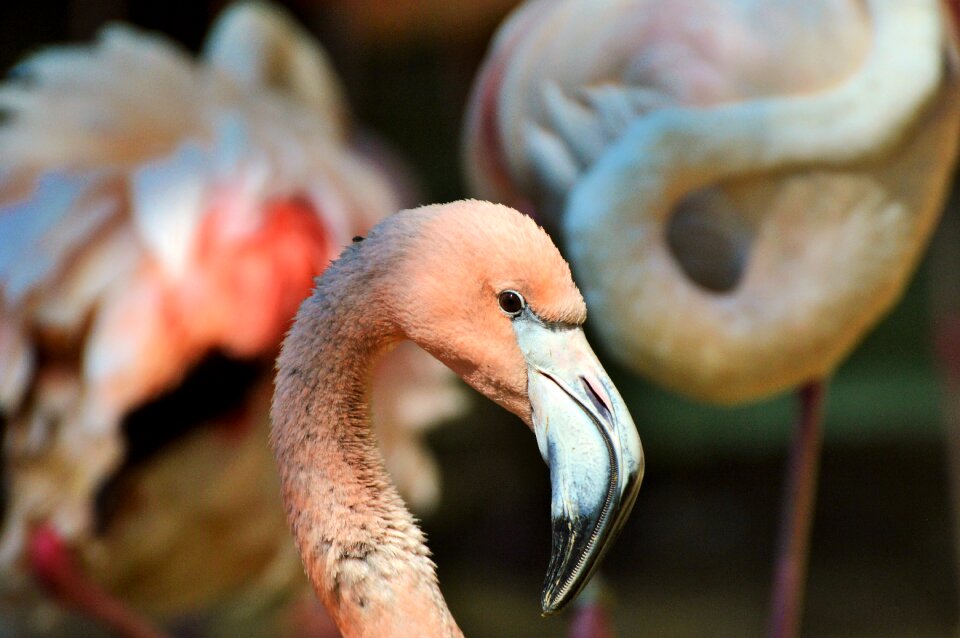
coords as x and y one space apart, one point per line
947 332
945 315
591 617
58 572
797 518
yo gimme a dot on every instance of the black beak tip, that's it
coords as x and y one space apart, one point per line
550 604
565 576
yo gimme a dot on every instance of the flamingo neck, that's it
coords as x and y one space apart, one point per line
361 548
781 324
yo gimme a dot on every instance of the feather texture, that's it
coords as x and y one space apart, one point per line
155 209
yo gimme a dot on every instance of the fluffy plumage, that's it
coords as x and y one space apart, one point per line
778 209
155 209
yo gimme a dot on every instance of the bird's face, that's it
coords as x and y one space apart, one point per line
494 300
587 437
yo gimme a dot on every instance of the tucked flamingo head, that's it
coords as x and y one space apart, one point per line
483 288
770 172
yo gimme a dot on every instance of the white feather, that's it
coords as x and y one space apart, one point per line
168 197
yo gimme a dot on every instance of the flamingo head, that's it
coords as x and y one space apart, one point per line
489 295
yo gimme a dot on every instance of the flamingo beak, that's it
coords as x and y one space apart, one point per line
589 441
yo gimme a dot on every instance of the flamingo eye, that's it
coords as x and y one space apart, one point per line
511 302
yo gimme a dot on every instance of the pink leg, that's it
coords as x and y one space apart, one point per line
799 499
591 616
947 332
944 287
56 570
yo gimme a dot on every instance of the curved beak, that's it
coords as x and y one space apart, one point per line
589 441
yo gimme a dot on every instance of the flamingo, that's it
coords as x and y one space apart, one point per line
483 289
155 211
743 189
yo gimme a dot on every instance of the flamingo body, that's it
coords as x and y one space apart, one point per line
688 176
156 210
743 189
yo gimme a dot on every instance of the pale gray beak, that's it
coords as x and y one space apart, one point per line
588 439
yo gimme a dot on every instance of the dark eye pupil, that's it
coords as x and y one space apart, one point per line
510 302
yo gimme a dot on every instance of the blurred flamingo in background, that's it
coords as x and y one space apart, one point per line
743 189
160 220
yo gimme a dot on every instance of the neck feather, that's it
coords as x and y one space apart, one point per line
361 548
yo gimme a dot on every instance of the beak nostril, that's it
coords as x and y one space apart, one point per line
602 405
